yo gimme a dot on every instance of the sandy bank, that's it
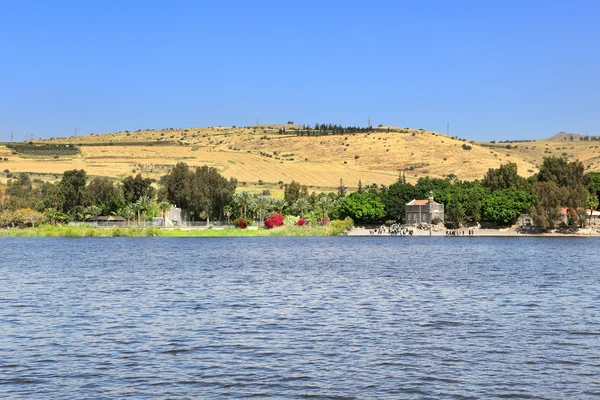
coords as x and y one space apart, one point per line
507 232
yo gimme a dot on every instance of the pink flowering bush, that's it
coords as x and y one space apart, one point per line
273 221
324 222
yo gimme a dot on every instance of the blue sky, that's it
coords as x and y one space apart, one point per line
494 70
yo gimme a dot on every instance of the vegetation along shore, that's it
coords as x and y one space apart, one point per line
561 195
89 231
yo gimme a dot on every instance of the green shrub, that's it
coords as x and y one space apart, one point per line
339 226
151 231
289 220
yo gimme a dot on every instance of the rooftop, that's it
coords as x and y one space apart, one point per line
420 203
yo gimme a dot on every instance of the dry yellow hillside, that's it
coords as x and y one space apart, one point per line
263 157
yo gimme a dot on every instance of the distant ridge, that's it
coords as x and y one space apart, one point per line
569 137
266 156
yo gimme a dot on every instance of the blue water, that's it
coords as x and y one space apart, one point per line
292 318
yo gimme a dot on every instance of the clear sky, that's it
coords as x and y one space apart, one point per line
493 70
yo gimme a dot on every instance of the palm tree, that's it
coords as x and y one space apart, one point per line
91 212
592 203
324 204
243 200
128 212
164 207
143 204
227 211
301 205
278 204
262 202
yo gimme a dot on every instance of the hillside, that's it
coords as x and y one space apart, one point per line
572 137
264 156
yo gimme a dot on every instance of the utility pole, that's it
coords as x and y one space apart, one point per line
369 123
75 132
447 128
256 122
12 137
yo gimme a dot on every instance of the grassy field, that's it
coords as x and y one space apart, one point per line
86 231
261 159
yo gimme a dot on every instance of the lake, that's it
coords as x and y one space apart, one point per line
291 318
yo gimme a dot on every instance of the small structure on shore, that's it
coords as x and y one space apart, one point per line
176 217
107 220
424 211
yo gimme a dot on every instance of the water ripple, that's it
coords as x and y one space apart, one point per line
314 318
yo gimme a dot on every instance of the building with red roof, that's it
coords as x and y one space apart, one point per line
424 211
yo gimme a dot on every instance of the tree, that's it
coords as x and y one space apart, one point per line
261 203
243 201
363 207
8 218
91 212
72 186
546 209
592 203
293 192
342 189
504 206
301 205
227 211
175 184
103 191
455 212
53 196
505 177
395 199
20 187
401 177
592 182
56 217
135 188
128 211
323 205
201 192
278 205
563 173
143 204
164 207
576 203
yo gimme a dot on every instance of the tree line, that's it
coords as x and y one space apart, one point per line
325 129
499 198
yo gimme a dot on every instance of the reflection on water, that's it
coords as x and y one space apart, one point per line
371 317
